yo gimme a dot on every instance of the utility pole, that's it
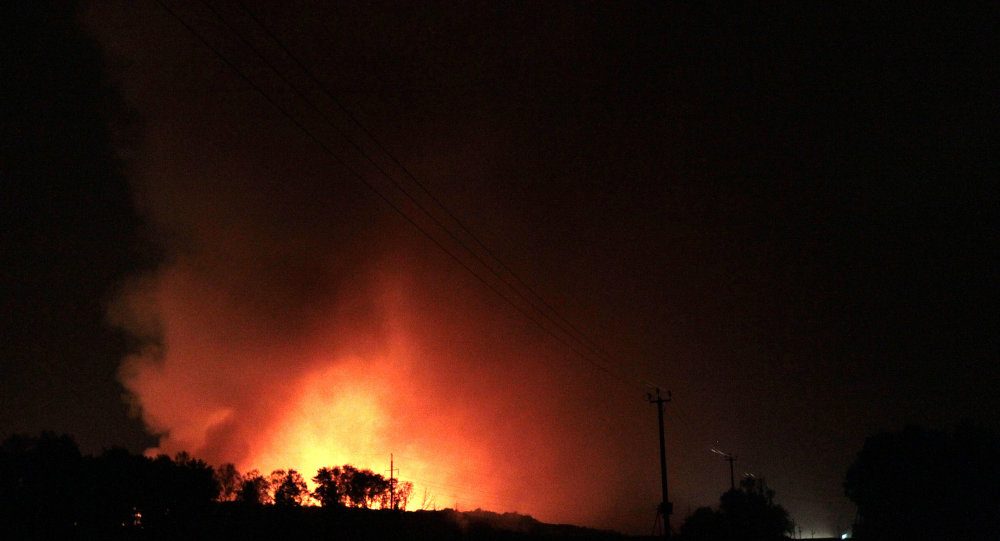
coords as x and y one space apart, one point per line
392 482
732 477
666 508
731 459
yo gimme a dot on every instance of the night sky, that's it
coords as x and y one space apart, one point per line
786 215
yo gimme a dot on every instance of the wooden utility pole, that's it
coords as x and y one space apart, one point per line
732 477
666 508
731 459
392 482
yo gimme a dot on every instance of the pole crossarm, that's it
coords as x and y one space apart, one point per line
665 509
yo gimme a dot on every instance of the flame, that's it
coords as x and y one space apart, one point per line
340 394
396 354
356 411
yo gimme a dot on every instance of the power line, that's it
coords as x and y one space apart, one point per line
731 459
562 324
477 495
573 331
573 335
382 196
680 414
313 137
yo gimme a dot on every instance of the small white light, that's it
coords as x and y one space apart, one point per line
843 536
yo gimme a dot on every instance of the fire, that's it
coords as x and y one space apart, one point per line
342 393
408 361
340 417
357 411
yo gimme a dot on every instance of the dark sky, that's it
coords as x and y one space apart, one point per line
786 215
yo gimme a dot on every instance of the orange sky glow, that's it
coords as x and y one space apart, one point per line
365 375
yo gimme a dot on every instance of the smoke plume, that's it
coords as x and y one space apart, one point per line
297 322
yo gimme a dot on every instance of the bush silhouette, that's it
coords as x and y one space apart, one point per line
289 488
745 514
47 488
254 489
41 485
328 489
921 484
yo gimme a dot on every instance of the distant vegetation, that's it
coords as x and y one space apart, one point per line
913 484
49 490
747 513
342 486
909 485
48 487
918 484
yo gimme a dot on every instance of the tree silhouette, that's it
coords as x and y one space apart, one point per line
705 524
254 490
745 514
289 488
921 484
372 486
229 480
49 490
328 491
40 482
348 485
361 487
160 492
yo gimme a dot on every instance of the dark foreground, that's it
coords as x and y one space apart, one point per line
235 521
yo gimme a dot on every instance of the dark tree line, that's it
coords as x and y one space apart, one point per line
747 513
342 486
350 486
913 484
48 488
918 484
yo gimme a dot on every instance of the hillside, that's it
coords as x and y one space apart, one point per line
233 521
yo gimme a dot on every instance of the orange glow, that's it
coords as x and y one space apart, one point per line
360 424
478 409
337 409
